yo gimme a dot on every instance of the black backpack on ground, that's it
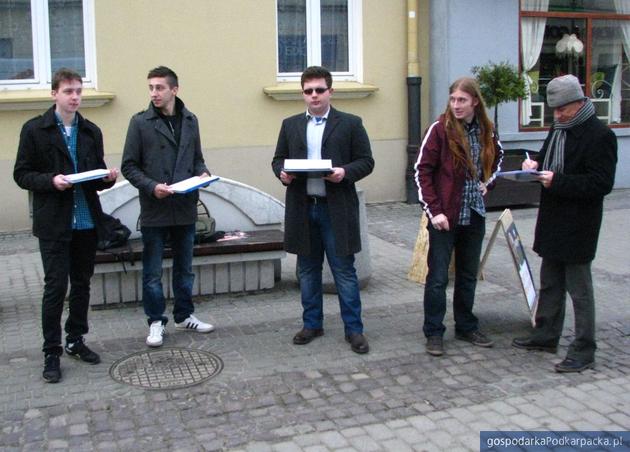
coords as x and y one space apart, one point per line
111 233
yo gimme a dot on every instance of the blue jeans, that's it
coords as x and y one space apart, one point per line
342 267
182 240
467 241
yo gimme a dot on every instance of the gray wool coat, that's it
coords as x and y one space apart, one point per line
346 143
151 157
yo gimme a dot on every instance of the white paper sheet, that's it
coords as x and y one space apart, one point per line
86 175
307 165
193 183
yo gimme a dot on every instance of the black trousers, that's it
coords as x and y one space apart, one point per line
65 261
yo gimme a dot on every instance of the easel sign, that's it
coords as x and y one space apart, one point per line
506 222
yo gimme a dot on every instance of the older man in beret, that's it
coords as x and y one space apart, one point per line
577 164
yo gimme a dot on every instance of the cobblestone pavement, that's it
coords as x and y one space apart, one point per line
274 396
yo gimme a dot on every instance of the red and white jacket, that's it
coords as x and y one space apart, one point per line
440 184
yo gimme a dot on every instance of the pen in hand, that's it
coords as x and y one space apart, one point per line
527 155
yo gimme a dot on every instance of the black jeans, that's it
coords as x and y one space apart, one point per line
63 261
467 241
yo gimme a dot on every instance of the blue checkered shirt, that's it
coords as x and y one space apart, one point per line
81 216
471 198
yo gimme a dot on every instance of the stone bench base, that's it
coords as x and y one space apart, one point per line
236 266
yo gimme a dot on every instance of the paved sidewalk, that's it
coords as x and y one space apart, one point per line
274 396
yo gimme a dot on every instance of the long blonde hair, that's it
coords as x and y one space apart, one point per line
457 140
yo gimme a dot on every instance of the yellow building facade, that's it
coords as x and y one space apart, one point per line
226 56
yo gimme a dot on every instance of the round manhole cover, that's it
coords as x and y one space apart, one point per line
166 368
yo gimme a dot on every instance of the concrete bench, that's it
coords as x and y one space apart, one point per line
245 264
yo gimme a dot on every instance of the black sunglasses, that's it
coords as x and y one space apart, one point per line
309 91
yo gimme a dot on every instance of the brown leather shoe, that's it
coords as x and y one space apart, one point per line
306 335
358 343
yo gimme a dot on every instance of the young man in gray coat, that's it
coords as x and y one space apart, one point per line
322 214
577 164
163 147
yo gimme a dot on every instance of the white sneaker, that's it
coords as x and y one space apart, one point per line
156 334
193 323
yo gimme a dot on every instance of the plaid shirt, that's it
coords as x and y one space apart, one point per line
471 198
81 216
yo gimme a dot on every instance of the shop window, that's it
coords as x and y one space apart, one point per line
589 39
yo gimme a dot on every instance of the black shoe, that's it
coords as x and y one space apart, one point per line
306 335
435 345
573 365
358 343
81 351
476 338
52 369
527 343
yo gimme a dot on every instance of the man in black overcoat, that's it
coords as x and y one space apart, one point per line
577 164
322 213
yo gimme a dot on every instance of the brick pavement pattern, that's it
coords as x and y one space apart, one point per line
275 396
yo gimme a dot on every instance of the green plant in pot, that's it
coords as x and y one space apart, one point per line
499 83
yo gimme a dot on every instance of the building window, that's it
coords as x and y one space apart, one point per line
587 38
37 37
318 32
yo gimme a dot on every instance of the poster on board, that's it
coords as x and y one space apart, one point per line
524 272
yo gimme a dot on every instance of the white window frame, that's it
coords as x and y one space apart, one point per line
313 43
41 49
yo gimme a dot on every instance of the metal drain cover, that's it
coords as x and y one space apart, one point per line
166 368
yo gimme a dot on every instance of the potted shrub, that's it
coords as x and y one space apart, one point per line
499 83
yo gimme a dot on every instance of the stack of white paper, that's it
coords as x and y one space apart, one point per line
308 166
193 183
86 175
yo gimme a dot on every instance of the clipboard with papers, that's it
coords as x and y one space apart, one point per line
192 183
312 167
520 175
85 176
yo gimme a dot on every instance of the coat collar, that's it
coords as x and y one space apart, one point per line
331 123
151 114
180 107
49 119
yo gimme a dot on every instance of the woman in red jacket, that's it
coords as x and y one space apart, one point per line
458 159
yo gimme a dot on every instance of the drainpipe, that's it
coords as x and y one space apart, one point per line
414 82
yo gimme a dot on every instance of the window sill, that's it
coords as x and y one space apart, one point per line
342 90
40 99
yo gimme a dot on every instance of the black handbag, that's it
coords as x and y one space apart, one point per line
111 233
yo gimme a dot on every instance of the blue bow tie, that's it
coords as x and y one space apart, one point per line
318 119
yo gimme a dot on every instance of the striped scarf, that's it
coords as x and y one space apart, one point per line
554 159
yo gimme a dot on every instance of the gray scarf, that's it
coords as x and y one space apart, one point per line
554 159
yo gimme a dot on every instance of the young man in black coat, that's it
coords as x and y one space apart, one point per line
65 215
577 164
322 213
